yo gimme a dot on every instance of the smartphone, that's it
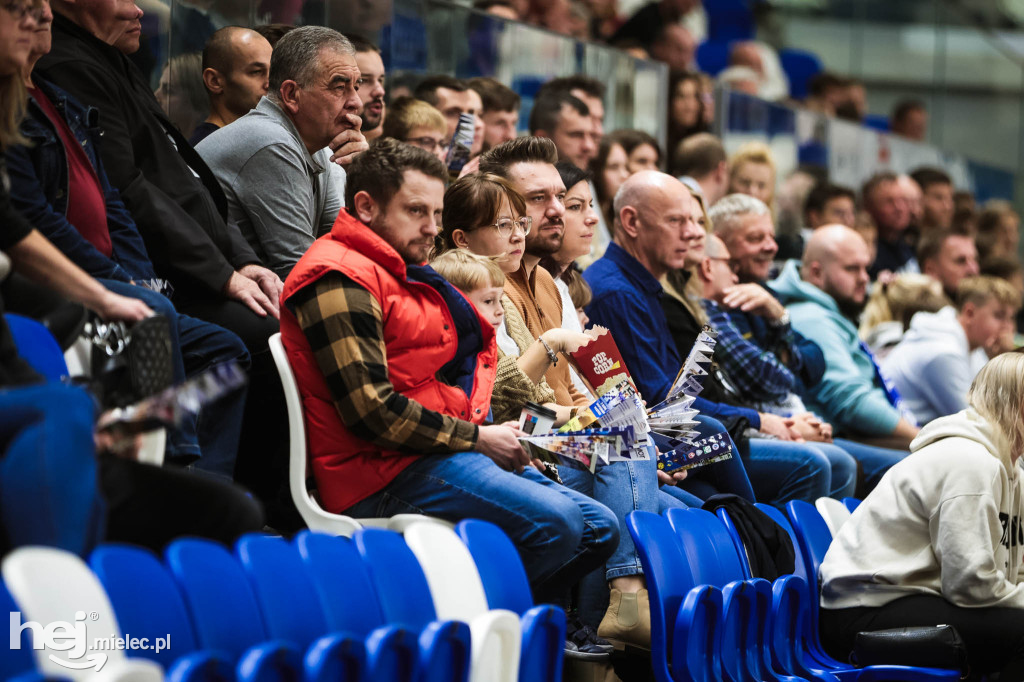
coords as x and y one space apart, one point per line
462 141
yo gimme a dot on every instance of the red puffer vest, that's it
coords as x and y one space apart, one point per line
420 338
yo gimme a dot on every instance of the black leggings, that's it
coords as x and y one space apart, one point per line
994 636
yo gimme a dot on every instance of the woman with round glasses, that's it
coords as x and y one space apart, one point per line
484 214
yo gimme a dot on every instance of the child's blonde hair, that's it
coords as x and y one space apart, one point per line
468 271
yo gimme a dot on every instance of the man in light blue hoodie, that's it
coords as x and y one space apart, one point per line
824 296
932 365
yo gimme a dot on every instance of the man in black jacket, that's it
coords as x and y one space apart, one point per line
180 211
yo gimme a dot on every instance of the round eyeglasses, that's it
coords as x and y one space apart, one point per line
506 226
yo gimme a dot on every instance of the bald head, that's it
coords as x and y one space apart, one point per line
836 261
236 71
655 219
715 247
828 241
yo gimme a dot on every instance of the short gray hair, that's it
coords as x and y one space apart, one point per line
296 56
728 212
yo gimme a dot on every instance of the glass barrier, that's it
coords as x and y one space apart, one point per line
964 60
418 37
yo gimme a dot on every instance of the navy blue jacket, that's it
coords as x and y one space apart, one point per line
39 190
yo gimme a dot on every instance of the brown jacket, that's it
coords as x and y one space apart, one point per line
537 299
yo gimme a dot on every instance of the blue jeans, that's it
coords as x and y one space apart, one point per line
874 461
561 535
196 346
622 487
781 471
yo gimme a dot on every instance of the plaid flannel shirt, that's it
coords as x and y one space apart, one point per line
759 375
344 326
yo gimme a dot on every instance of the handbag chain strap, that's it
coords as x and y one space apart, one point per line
110 337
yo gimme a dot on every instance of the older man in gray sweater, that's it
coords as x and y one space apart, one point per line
274 162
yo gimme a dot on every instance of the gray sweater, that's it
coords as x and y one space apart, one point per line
280 196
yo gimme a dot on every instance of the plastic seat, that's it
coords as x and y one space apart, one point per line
50 586
292 612
746 603
737 542
800 66
38 347
224 614
315 516
440 651
851 503
684 635
148 604
458 594
833 512
814 539
507 587
17 665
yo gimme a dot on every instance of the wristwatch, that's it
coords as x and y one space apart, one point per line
782 321
552 356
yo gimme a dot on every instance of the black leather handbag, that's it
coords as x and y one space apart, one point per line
130 363
938 646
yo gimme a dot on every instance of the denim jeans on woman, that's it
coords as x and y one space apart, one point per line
561 535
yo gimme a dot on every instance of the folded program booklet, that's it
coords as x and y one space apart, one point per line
712 448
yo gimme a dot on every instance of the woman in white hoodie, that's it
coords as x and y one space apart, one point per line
941 539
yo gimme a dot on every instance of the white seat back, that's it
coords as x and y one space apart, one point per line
458 594
69 618
312 513
834 512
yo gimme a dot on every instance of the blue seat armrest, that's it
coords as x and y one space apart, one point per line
338 657
201 666
270 662
392 653
695 641
543 648
445 651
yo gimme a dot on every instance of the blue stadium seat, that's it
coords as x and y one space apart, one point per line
224 613
713 56
292 612
396 649
851 503
37 346
684 618
506 586
746 603
800 67
17 665
814 538
734 536
147 604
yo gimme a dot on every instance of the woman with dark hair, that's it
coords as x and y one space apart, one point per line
610 169
685 109
579 224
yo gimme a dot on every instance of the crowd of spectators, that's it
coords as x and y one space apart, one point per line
301 199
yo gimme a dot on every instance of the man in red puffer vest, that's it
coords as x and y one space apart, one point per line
395 368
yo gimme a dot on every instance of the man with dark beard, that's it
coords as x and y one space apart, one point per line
529 164
371 86
825 296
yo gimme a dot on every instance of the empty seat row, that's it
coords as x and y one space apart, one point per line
438 604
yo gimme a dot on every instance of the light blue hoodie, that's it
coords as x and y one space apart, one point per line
849 395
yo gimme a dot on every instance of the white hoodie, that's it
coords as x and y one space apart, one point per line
947 520
931 365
